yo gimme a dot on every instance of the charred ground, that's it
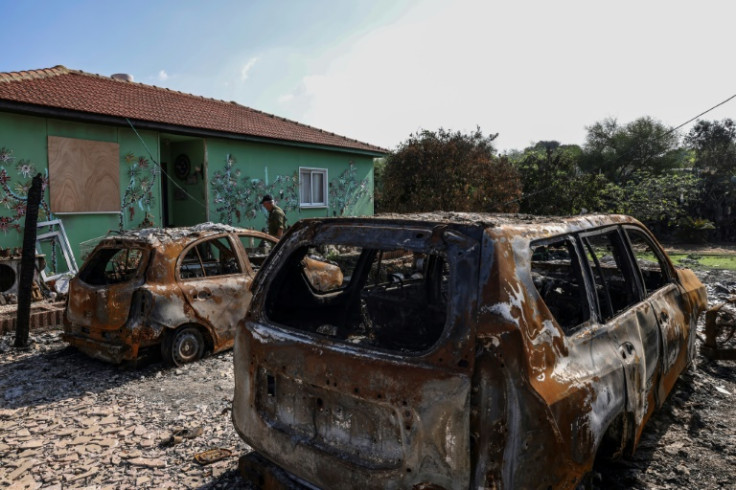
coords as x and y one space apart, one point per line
70 421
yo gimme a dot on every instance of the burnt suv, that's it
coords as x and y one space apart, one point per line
183 289
459 350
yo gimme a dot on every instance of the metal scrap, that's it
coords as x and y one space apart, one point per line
212 455
720 331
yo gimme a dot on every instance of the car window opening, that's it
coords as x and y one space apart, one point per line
112 266
557 277
391 299
614 282
209 258
651 265
256 250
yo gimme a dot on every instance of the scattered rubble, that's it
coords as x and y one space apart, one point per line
69 421
720 331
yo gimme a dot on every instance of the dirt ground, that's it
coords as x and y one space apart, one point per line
68 421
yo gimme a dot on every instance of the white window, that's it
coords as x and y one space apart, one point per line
313 187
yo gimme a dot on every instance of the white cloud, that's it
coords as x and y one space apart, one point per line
163 76
286 98
245 71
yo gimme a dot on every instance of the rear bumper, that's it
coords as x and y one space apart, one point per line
115 353
114 346
262 473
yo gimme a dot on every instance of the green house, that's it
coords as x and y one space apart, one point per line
115 154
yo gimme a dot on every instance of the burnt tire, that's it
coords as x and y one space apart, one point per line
182 346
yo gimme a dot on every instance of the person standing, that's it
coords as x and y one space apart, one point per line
276 217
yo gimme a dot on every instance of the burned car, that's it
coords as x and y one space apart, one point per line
459 351
183 289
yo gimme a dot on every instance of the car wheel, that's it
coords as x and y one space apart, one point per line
184 345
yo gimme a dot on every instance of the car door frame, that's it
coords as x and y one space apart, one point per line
669 305
212 297
638 334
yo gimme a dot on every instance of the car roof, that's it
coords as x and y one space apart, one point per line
520 223
163 236
507 226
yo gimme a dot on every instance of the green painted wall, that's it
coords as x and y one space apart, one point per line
25 140
237 185
236 175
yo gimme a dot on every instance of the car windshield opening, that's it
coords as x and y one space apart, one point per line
392 299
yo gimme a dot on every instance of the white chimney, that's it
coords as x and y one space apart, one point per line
123 77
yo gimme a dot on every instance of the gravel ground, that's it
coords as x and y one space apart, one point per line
68 421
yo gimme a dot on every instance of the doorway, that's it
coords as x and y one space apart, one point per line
184 186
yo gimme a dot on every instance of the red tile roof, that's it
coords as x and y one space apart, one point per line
62 88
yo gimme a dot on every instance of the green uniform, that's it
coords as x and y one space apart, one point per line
276 220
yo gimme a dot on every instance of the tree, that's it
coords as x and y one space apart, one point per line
660 201
714 146
553 182
450 171
379 170
642 145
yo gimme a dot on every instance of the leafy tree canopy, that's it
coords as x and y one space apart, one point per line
450 171
714 144
658 198
552 181
619 151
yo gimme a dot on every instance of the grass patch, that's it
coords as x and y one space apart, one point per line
704 262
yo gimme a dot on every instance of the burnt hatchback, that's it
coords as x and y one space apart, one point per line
183 289
459 351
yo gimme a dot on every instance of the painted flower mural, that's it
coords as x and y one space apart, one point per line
239 198
346 192
139 193
14 191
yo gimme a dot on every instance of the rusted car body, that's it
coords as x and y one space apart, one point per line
184 289
460 351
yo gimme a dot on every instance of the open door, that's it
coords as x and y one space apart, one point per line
184 186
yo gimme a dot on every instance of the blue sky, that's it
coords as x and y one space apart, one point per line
379 70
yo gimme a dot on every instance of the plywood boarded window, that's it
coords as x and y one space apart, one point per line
84 176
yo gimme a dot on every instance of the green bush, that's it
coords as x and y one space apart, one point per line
696 230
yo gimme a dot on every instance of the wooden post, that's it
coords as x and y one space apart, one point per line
28 264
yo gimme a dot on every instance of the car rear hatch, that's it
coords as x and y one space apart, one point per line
100 295
365 383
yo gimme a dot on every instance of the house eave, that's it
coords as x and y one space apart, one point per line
55 112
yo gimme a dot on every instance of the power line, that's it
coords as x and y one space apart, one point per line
168 177
647 158
703 113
